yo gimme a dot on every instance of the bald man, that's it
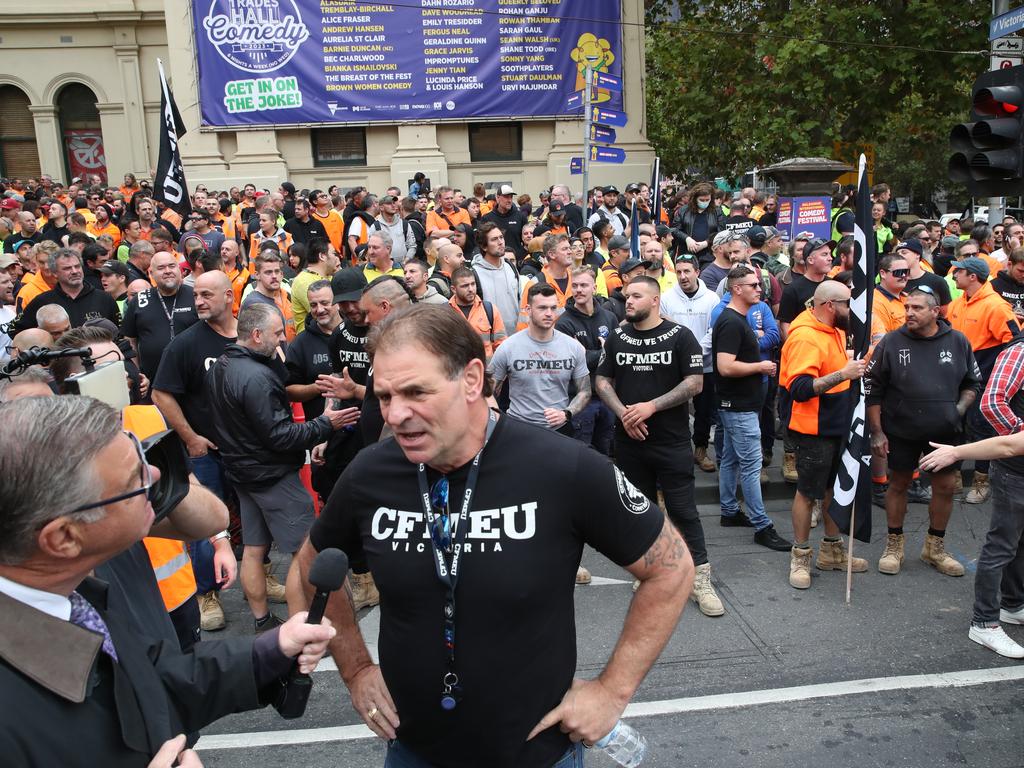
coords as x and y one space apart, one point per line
30 337
816 372
449 258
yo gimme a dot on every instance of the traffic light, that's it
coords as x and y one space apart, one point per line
988 154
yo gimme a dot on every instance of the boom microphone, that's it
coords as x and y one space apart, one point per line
327 574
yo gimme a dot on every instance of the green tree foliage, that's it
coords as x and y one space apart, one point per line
731 86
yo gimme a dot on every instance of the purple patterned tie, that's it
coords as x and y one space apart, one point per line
87 617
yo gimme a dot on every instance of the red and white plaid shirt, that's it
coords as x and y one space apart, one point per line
1006 381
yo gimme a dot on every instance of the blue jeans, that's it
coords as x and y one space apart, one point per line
595 426
209 470
400 756
741 454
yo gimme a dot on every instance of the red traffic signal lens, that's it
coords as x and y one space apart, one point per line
1009 108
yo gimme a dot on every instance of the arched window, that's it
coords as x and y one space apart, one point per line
19 155
80 127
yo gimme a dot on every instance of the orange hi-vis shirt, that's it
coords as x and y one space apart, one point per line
31 288
887 314
239 279
334 225
559 294
490 335
988 323
812 350
438 219
110 229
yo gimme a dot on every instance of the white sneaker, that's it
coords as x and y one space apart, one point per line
997 640
1012 617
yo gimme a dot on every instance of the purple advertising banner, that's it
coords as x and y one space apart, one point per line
289 62
805 214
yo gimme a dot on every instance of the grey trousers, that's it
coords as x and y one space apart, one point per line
999 582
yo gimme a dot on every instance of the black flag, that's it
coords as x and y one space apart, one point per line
851 495
656 192
169 186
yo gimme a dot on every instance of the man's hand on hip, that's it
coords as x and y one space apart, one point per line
587 713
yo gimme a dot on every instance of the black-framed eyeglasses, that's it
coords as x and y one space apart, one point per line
899 272
441 528
145 477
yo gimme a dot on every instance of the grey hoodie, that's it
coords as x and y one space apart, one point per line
432 296
500 286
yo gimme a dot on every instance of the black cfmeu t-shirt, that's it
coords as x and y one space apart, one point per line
733 335
182 373
795 297
933 281
348 350
515 632
646 365
309 356
146 320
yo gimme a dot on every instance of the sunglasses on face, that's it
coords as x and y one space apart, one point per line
899 272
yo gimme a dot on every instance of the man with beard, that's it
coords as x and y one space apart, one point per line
309 356
816 371
508 219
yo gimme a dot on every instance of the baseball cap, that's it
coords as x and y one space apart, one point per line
630 264
721 238
114 267
974 265
757 235
618 242
812 245
611 190
9 204
389 199
7 260
912 244
661 230
949 242
770 232
18 243
348 284
505 189
288 187
633 187
556 206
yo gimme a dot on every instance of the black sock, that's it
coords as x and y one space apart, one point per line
896 531
933 532
831 539
261 621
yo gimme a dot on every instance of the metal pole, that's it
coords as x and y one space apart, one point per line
995 204
586 142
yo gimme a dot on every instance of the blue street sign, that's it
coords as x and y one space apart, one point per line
576 166
1006 24
602 133
608 82
575 101
608 117
607 155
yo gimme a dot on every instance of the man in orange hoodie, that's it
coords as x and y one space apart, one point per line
816 371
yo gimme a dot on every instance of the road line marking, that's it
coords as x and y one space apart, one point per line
961 679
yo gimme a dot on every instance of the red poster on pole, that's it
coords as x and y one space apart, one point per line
85 152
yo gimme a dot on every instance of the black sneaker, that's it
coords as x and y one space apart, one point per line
739 520
267 623
878 491
767 537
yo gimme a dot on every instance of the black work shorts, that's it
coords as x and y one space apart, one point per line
905 455
817 463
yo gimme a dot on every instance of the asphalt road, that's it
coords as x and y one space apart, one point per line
785 678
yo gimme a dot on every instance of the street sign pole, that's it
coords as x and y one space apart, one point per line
588 89
995 204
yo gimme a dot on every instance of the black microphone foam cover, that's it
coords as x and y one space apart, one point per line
329 570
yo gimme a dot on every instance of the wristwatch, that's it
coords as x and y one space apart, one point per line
217 537
568 414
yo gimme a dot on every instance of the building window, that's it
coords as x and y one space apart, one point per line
339 146
495 142
84 154
19 156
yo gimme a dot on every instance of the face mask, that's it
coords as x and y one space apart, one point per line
703 204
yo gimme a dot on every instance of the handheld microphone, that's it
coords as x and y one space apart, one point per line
327 574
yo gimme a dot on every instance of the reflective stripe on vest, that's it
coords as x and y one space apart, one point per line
173 570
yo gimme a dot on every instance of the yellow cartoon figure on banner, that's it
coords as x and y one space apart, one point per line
597 54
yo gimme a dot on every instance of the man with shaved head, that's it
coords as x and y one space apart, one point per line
31 337
816 371
449 258
179 391
156 315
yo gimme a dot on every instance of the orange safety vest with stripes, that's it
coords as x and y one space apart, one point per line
169 557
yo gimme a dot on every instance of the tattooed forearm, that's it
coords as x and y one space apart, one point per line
579 402
825 383
686 390
606 391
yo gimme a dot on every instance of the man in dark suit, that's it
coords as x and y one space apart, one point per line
74 658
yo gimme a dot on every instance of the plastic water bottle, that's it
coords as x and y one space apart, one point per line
624 744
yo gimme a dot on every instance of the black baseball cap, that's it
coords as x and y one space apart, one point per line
610 190
348 284
556 207
812 245
114 267
630 264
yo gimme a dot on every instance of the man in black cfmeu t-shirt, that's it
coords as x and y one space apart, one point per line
514 555
649 369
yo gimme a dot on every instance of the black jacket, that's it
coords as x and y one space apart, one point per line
89 304
588 330
1011 291
252 419
616 304
682 227
918 380
511 225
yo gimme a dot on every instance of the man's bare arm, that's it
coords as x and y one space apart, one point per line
200 515
606 391
301 393
173 415
967 398
683 392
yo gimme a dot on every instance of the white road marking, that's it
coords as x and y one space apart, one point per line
666 707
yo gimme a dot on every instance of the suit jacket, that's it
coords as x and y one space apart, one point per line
64 702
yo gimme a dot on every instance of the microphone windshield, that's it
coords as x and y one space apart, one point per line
329 570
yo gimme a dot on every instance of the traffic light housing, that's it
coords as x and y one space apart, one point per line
988 153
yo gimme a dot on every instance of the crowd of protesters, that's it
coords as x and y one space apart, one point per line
248 324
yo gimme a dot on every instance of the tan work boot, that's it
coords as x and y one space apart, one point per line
583 575
892 558
275 589
700 458
800 567
832 557
704 594
211 614
934 553
979 491
364 590
789 467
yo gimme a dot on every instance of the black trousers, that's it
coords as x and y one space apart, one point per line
704 412
649 465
